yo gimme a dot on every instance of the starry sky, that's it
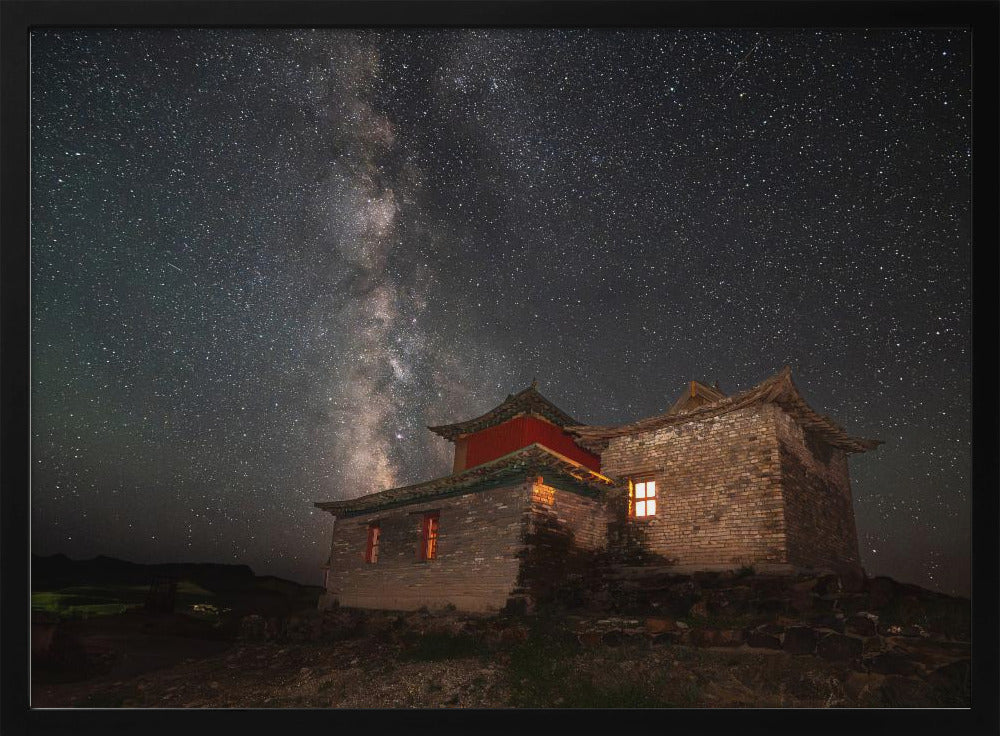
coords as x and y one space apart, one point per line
264 260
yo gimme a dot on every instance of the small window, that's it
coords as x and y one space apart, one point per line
429 537
643 500
371 548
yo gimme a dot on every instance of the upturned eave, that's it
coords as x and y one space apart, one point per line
778 389
521 462
529 401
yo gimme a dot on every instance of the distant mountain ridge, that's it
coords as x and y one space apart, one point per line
58 571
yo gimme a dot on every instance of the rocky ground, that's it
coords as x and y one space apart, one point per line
350 659
642 639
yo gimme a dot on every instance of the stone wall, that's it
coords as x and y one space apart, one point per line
476 568
740 489
719 498
819 513
564 534
584 517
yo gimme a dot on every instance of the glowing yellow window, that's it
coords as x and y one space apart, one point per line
644 498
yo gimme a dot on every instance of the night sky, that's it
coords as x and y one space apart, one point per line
263 261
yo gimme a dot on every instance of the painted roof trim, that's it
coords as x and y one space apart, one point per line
778 389
532 458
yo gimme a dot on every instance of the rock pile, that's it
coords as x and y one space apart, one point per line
876 628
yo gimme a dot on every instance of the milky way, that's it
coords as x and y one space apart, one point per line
264 261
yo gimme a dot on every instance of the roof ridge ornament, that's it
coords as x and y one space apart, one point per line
779 389
528 400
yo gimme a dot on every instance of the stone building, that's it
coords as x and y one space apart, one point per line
536 498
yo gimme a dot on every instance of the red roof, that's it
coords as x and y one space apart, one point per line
528 401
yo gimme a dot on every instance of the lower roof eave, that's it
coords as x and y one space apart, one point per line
521 463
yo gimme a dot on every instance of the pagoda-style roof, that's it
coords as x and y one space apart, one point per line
528 401
534 458
778 389
697 394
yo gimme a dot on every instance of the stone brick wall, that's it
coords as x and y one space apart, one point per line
719 499
748 487
479 537
819 513
563 534
585 518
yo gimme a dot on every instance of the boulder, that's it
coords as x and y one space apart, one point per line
809 584
668 637
799 640
852 581
862 624
824 603
801 600
839 648
716 637
829 585
770 606
760 640
763 586
730 602
700 609
729 638
771 628
853 603
828 621
660 625
881 590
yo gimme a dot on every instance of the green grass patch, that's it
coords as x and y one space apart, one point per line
546 673
436 646
85 601
552 670
538 671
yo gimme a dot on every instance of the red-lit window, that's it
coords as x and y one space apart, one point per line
371 548
429 537
642 500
